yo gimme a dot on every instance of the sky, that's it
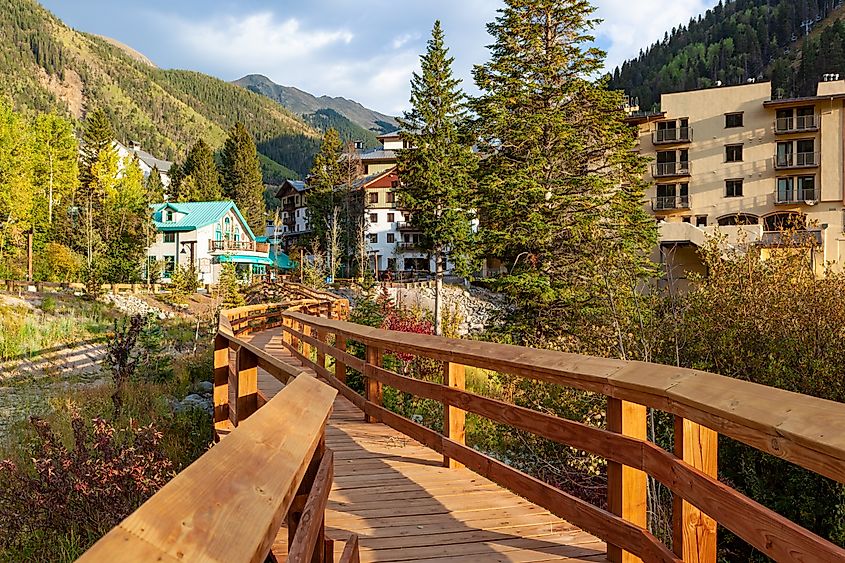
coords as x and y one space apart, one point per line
365 50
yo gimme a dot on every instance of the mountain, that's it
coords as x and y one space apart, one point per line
790 42
325 119
303 103
45 65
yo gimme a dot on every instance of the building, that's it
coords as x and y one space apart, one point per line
392 242
146 161
205 234
735 160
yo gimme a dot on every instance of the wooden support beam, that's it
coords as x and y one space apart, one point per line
221 379
339 366
693 532
373 387
454 419
306 348
286 323
626 486
243 391
321 355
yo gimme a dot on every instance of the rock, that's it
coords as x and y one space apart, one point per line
204 387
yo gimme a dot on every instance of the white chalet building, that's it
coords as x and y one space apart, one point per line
205 234
146 161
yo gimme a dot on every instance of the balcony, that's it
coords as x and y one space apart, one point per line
671 136
796 160
408 246
796 196
237 246
800 124
670 203
670 169
406 226
803 238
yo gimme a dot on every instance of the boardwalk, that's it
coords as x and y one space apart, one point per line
395 494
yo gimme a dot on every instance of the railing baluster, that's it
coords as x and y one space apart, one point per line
221 379
340 366
373 387
693 532
626 486
321 356
243 386
454 419
306 348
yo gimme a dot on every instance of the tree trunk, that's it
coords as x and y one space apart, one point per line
438 293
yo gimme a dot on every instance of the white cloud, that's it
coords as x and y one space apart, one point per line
633 25
401 40
255 39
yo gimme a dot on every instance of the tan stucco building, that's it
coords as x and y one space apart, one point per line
733 159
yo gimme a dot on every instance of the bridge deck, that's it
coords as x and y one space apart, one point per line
405 506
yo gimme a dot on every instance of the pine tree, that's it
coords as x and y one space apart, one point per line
97 172
562 188
97 135
201 167
323 183
437 173
242 180
154 186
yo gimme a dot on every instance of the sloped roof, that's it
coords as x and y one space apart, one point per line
147 158
198 214
364 181
378 154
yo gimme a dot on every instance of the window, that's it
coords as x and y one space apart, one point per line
169 266
687 219
733 120
168 216
373 197
391 237
373 217
701 220
738 219
237 233
391 196
733 188
394 184
373 238
169 237
391 217
391 264
733 153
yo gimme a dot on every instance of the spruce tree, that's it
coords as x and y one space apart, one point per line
97 136
97 172
201 167
323 183
437 172
562 189
154 186
242 181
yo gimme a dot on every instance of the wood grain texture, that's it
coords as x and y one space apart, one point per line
626 485
693 532
217 510
454 418
311 528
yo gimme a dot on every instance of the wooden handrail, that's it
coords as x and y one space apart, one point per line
230 503
792 426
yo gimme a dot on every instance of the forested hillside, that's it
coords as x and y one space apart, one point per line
791 42
45 65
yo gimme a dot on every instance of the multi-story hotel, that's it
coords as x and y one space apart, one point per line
735 160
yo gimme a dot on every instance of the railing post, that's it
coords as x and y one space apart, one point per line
286 337
243 385
626 486
221 379
306 348
454 419
321 356
294 514
693 532
372 387
340 366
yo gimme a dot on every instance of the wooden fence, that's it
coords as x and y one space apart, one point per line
794 427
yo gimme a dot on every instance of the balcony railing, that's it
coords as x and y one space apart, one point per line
676 135
237 245
408 246
668 203
797 160
811 237
797 124
790 196
669 169
406 226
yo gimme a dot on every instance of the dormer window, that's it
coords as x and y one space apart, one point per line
168 216
237 233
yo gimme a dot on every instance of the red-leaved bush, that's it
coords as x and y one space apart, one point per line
398 319
81 491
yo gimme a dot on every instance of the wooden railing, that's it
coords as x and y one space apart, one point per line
794 427
275 469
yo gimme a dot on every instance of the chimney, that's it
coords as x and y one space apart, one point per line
359 144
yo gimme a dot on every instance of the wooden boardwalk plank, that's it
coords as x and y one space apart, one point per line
405 506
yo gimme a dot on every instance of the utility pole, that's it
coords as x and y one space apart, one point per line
29 254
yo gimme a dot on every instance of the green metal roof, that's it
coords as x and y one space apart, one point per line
198 214
245 259
281 260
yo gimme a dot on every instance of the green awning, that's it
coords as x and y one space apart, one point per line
245 259
282 261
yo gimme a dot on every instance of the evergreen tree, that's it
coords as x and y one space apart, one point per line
323 183
124 222
97 136
242 180
154 186
201 167
561 189
436 174
97 173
